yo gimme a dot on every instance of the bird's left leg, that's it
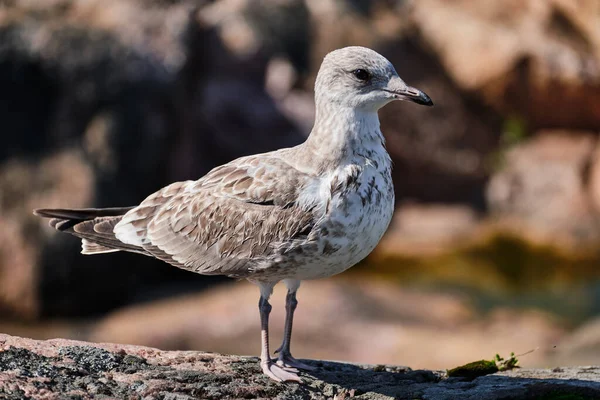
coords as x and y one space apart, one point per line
285 358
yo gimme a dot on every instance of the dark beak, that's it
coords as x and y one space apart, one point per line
402 91
417 96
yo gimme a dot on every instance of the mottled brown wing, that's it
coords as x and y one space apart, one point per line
237 217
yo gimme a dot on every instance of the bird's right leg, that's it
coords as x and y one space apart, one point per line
270 368
285 358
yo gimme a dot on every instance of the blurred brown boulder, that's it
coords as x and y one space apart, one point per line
61 178
440 153
594 177
545 182
536 59
582 345
425 229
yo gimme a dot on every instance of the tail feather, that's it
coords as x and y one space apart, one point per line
94 226
88 247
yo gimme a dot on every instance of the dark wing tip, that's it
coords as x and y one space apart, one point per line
81 214
58 213
43 212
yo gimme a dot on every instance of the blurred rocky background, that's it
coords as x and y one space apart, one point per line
494 245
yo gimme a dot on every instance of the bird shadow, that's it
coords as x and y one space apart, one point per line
356 379
349 380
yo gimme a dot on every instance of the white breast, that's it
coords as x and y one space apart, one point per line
355 217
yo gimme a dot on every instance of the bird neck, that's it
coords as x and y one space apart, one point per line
341 134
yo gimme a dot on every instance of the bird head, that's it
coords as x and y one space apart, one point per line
361 78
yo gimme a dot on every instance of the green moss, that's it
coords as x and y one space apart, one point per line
474 369
508 364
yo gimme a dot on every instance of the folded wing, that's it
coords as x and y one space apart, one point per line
239 216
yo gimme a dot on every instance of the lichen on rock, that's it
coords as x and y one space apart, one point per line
59 368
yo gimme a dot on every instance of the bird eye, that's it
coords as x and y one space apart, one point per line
362 74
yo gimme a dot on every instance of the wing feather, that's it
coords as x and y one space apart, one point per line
236 217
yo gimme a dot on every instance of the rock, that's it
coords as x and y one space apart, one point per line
61 368
524 57
594 178
440 153
248 27
60 179
544 183
420 229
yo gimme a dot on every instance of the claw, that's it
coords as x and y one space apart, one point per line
290 363
278 373
284 366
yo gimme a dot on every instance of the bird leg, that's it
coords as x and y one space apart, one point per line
285 358
271 369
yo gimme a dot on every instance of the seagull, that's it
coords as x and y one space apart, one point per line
305 212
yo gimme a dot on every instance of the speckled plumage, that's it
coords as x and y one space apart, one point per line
299 213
